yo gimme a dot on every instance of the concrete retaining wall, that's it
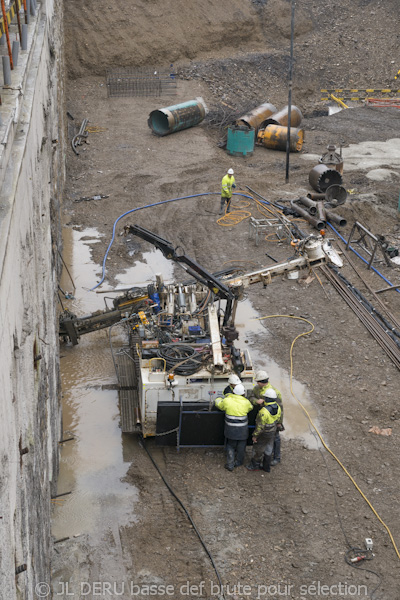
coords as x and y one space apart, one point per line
31 180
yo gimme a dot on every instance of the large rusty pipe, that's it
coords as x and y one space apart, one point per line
331 216
321 177
311 205
282 117
274 137
257 116
317 223
179 116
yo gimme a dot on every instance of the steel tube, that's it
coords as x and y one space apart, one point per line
179 116
15 52
24 37
316 196
275 137
282 117
306 215
311 205
321 211
331 216
6 70
257 116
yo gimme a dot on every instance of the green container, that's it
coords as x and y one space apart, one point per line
240 141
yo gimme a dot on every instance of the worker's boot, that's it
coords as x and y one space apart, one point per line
275 462
267 464
221 210
253 466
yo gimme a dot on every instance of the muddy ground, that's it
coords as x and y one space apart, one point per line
293 526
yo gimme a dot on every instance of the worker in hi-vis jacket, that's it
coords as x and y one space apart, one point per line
264 432
227 184
236 408
262 385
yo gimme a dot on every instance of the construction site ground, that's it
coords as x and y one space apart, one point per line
288 527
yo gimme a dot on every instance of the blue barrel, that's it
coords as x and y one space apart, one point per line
240 141
179 116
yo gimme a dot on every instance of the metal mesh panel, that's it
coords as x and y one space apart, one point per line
141 82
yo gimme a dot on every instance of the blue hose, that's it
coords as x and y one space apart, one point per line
149 206
362 258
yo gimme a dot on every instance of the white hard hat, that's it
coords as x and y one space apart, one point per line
270 393
261 375
230 171
239 389
234 379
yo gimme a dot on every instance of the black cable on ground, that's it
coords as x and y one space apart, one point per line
188 516
352 551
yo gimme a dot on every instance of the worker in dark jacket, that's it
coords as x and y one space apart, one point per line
264 432
236 408
262 385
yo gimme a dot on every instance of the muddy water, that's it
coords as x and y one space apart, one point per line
251 332
94 464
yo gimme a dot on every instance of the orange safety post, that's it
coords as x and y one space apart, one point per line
26 13
17 7
5 22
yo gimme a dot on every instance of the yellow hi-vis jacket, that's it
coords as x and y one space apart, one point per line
227 182
236 409
267 418
258 392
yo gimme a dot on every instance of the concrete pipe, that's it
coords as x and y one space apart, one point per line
336 195
282 117
257 116
274 137
179 116
321 177
331 216
311 205
6 70
302 212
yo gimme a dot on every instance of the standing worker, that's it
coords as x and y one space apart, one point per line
262 385
227 184
264 432
233 380
236 408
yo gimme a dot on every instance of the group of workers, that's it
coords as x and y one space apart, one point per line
269 422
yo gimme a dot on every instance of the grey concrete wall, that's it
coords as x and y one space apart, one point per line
31 183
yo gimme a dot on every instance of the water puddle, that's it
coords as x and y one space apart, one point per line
142 273
95 463
250 330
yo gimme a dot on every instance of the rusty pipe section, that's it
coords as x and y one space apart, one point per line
311 205
282 117
321 178
257 116
274 137
316 196
179 116
302 212
331 216
321 211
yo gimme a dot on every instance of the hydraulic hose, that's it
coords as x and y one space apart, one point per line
362 258
142 208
